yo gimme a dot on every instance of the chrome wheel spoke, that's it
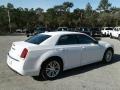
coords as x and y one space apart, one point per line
52 69
49 73
108 56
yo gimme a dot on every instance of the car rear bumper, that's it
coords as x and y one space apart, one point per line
18 66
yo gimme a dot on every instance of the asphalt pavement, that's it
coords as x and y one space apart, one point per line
97 76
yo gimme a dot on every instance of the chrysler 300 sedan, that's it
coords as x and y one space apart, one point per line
47 54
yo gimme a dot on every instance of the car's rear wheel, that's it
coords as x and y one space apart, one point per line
108 56
51 69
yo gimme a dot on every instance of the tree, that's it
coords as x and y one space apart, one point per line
38 11
78 16
104 5
26 9
2 6
10 6
88 10
59 9
106 20
20 9
59 15
31 10
67 6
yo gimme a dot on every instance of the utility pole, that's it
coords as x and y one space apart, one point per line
9 19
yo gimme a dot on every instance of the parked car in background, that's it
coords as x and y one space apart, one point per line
29 32
35 31
62 29
72 29
115 33
19 30
95 31
39 30
24 30
83 30
47 54
106 31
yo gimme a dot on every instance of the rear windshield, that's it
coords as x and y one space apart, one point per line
37 39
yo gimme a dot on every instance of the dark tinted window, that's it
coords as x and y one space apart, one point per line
81 29
116 29
67 39
86 29
37 39
109 28
83 39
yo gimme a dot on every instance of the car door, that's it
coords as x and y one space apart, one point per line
113 32
117 32
71 50
91 51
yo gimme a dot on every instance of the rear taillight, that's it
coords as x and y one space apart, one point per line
24 53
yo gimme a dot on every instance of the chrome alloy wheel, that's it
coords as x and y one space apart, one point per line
108 56
52 69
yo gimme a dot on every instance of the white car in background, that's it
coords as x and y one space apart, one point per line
62 29
106 31
46 55
115 33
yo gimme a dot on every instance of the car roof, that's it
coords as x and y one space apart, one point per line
60 33
117 27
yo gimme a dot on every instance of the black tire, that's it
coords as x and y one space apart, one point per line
43 71
105 35
111 36
102 35
39 78
119 37
28 35
110 52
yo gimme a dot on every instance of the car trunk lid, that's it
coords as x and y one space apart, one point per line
17 49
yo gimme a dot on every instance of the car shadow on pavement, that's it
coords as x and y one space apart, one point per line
97 38
83 69
86 68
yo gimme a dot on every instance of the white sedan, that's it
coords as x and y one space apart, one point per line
46 55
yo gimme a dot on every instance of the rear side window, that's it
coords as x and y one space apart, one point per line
37 39
67 40
83 39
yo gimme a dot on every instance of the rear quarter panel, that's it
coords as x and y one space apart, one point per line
37 56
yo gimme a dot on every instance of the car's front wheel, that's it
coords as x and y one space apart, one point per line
108 56
51 69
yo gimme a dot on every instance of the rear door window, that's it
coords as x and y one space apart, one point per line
67 40
83 39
